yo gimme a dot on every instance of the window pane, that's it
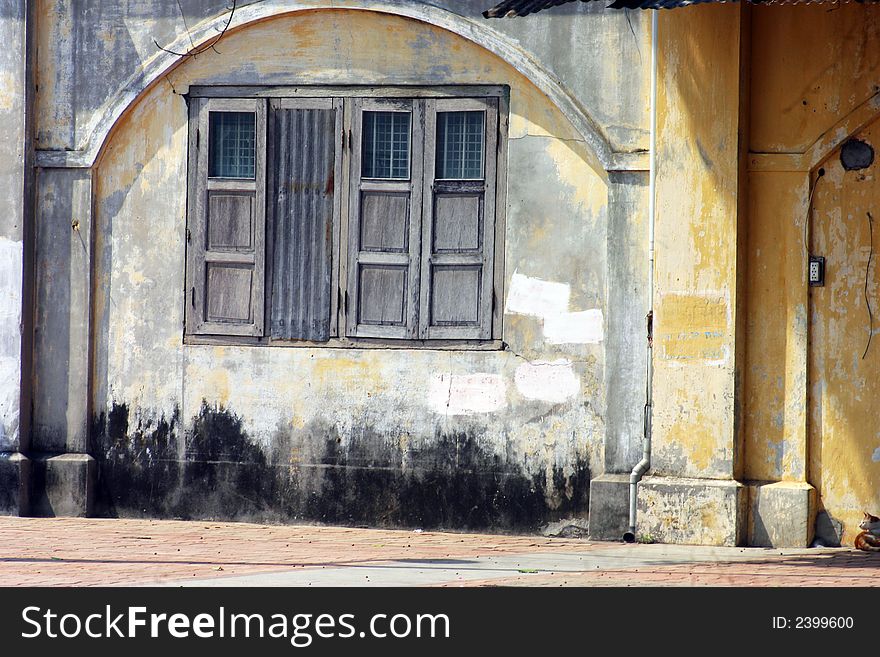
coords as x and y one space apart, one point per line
386 145
232 137
460 145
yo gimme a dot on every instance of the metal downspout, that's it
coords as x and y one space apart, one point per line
642 466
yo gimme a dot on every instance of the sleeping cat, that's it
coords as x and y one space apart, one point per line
869 538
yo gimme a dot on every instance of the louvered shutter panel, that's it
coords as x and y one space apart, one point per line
385 218
305 140
226 234
458 235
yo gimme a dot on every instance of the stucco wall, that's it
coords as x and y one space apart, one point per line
811 404
503 439
759 378
696 291
692 493
88 50
13 177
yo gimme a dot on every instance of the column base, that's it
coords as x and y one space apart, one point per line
64 485
781 514
692 511
15 480
609 507
829 530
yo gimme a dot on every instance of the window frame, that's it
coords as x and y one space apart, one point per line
459 187
198 191
412 185
350 97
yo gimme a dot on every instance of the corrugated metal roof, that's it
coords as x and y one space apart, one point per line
509 8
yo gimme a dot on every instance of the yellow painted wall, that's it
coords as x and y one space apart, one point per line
812 408
776 372
812 65
845 387
696 274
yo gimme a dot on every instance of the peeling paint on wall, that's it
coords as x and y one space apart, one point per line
10 93
584 327
553 381
532 296
549 301
10 340
696 408
843 368
343 435
694 326
466 394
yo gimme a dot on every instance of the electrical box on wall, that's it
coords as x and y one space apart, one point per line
817 271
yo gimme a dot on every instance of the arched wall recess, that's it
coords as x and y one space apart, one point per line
97 130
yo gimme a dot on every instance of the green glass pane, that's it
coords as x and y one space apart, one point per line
232 140
386 145
460 145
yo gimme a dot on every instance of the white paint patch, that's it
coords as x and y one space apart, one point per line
553 381
876 455
549 301
10 339
10 377
466 394
584 327
532 296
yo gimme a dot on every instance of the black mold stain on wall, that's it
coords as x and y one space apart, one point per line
10 486
214 470
138 467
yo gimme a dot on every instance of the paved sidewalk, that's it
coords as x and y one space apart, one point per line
94 552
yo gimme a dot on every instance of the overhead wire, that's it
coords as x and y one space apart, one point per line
210 45
867 274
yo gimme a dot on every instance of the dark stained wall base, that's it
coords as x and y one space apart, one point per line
15 471
212 469
62 485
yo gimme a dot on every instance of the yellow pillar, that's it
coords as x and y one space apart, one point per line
692 494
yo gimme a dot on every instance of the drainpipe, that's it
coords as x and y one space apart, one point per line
643 465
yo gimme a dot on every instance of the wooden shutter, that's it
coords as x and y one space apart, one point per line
305 164
458 235
226 213
384 230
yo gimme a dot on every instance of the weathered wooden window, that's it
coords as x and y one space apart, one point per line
384 218
421 238
226 236
458 235
343 217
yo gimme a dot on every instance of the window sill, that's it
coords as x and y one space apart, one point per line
348 343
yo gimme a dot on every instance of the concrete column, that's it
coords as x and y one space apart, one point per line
693 494
15 157
64 473
625 352
782 504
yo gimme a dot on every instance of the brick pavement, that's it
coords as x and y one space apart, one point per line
88 552
846 568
